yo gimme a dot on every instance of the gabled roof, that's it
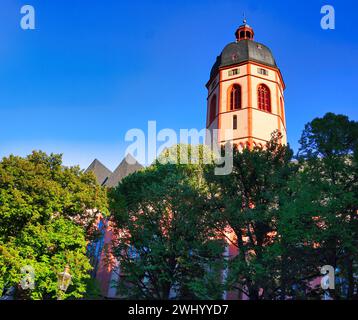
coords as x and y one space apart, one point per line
101 172
106 177
128 165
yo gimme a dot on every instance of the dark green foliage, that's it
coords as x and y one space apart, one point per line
248 201
166 243
287 216
328 158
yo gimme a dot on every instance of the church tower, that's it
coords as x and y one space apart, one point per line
245 93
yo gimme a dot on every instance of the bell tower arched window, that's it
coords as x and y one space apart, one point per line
212 109
235 97
264 98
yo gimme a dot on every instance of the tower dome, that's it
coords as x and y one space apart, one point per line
242 50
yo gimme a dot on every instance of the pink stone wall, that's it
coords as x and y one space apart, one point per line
107 262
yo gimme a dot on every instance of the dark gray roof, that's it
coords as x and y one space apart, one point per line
106 177
127 166
101 172
242 51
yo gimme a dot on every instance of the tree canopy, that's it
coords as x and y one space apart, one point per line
286 216
328 188
46 211
166 248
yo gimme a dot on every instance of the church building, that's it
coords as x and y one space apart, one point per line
245 98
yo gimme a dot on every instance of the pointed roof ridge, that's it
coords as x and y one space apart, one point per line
124 169
94 162
130 159
101 172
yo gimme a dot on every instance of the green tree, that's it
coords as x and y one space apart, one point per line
328 160
247 202
166 243
46 213
46 248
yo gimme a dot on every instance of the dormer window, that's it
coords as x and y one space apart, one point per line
233 72
262 71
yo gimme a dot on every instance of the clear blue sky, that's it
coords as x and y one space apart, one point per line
94 69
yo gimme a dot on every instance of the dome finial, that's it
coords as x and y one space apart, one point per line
245 32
